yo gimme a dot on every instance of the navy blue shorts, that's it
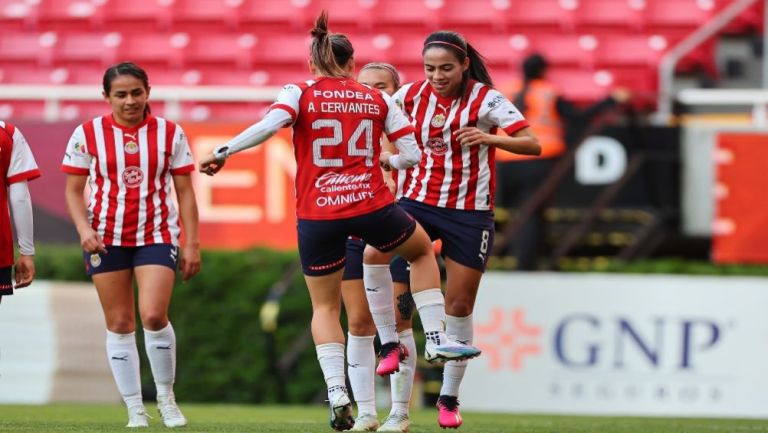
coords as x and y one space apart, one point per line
467 235
322 243
119 258
6 283
353 270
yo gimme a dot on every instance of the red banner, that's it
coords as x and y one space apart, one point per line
251 202
741 224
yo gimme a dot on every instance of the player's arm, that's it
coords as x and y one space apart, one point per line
190 254
73 195
497 110
21 209
401 133
282 113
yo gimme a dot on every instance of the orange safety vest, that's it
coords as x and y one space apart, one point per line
541 113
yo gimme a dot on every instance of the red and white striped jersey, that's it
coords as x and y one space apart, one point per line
337 123
450 175
129 171
16 165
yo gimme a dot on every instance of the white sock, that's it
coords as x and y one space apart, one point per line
361 362
379 290
161 352
331 357
453 372
123 358
402 381
431 306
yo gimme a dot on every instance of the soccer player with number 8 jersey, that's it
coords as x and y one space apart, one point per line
340 191
450 192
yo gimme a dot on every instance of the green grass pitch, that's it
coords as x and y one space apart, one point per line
311 419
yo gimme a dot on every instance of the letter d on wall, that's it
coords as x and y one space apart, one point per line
600 160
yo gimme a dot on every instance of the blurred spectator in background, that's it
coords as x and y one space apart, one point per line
17 166
558 123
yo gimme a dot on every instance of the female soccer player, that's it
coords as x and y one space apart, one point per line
130 228
340 192
17 166
361 358
456 112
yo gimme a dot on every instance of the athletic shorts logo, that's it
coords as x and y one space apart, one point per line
437 146
95 260
131 147
438 120
132 176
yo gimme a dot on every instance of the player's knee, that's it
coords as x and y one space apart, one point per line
154 320
459 307
122 324
360 326
372 256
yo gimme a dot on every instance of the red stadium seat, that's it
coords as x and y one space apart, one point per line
566 49
70 14
28 47
479 15
543 13
350 15
226 50
18 15
623 50
413 15
99 49
138 15
219 14
229 111
578 85
283 48
17 110
291 14
675 13
155 48
613 14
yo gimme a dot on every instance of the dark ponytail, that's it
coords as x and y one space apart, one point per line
330 52
126 68
462 49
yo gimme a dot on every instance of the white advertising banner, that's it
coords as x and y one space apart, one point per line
610 344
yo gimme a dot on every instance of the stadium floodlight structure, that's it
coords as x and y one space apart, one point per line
699 36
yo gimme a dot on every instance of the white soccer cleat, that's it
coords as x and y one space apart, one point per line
170 412
448 349
396 422
366 422
341 413
137 417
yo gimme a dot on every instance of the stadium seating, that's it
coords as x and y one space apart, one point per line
253 42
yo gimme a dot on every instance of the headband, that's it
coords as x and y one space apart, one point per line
463 50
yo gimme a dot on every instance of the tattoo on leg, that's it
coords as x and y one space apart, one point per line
406 305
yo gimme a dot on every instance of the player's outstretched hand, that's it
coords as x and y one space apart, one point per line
24 271
210 165
190 262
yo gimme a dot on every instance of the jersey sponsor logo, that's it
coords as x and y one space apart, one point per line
493 103
438 120
132 176
437 146
80 147
95 260
131 147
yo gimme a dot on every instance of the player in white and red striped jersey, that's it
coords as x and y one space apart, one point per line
130 228
17 166
337 123
456 113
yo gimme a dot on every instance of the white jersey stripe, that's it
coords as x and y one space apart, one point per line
121 190
104 173
158 184
445 188
173 217
144 165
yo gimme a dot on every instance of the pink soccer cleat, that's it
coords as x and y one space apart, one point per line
391 355
448 412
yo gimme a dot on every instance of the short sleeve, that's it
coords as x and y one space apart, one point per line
499 111
22 165
396 124
181 159
77 159
288 100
